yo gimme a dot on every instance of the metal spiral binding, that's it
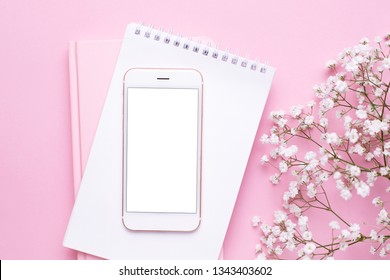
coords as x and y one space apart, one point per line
197 47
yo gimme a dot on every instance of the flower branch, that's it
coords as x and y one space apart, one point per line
350 158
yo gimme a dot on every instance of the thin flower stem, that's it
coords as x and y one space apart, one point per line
341 219
326 196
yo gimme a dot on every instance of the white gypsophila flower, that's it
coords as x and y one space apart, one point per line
336 175
280 216
375 126
322 177
274 139
373 235
378 39
324 122
311 104
264 139
361 114
276 231
354 170
324 160
275 179
364 139
386 63
316 89
331 64
309 120
364 41
266 229
332 138
289 152
290 245
311 190
343 246
282 122
378 92
294 209
340 184
270 241
369 156
300 253
255 221
264 159
385 125
274 153
277 114
293 131
384 171
383 216
345 193
377 152
293 188
310 155
312 165
302 221
377 201
286 198
285 236
345 233
334 225
290 226
371 177
372 250
283 167
352 66
307 235
258 248
341 86
309 248
362 189
326 104
353 135
355 231
382 253
347 122
295 111
304 177
261 257
358 149
278 251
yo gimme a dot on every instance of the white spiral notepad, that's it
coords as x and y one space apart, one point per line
235 92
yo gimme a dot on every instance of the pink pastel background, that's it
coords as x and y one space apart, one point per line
36 191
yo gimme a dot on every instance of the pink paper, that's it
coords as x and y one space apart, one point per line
36 196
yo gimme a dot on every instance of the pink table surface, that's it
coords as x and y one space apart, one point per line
36 192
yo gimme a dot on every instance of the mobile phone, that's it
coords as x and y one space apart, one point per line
162 149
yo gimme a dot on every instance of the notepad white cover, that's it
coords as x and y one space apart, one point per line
234 98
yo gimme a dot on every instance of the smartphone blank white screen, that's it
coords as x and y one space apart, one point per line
162 150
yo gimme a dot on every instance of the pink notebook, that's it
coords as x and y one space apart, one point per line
91 65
